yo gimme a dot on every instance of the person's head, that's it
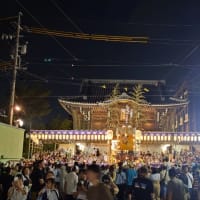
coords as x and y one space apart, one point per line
50 183
75 169
41 164
68 169
185 169
26 171
111 168
8 170
143 171
172 172
106 179
93 172
50 174
82 174
17 167
18 181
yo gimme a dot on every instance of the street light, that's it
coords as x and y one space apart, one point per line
19 122
17 108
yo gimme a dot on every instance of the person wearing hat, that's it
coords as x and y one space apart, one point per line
97 190
49 192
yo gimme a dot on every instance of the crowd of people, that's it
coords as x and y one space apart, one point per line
148 176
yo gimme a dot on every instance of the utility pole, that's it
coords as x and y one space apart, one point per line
16 66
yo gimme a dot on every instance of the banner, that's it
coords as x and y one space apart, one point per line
11 142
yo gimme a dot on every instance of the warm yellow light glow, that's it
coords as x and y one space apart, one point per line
20 122
109 135
164 147
17 108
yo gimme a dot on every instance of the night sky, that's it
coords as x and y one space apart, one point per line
172 53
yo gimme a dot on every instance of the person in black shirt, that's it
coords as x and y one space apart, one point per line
37 177
5 182
142 187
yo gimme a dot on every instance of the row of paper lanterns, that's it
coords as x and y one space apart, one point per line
170 138
71 137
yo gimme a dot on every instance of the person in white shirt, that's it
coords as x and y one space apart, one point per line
62 177
18 191
57 174
51 191
155 177
71 180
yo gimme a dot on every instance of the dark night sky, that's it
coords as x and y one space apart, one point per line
172 26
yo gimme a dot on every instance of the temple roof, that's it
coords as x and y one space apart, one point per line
94 92
76 102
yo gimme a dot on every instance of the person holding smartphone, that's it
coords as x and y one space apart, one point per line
18 191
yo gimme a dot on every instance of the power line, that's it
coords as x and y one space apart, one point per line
111 38
85 36
96 96
143 24
161 25
38 22
8 18
66 16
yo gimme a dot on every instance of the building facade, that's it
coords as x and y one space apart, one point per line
123 112
136 122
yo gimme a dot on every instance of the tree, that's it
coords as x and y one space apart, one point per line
115 92
34 102
139 99
58 123
138 94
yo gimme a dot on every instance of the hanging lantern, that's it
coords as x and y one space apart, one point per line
181 121
96 137
175 137
161 137
158 116
99 137
145 138
49 136
186 118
